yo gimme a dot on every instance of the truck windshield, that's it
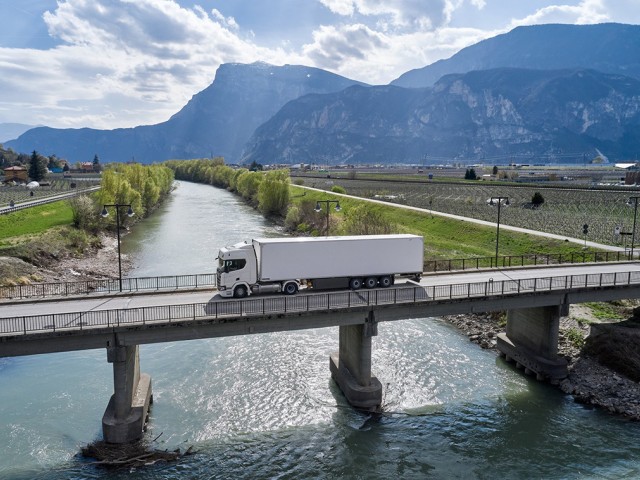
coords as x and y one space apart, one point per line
231 265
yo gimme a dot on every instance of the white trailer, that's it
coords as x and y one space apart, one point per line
284 264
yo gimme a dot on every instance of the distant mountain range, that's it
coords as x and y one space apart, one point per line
536 90
607 47
216 122
469 116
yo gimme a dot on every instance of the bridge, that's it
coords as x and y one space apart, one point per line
533 297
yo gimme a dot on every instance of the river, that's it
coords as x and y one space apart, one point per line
264 406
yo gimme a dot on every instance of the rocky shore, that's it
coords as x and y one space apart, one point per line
589 382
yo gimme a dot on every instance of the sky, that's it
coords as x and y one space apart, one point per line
120 63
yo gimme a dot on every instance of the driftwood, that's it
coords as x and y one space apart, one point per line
136 454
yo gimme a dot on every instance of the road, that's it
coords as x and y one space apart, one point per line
128 301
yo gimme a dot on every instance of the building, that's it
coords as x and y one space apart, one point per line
16 174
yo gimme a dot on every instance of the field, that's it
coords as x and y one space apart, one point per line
58 184
34 220
564 212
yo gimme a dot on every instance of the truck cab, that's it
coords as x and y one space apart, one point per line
236 270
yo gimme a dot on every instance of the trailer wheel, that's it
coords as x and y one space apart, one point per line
370 282
290 288
240 291
355 283
386 281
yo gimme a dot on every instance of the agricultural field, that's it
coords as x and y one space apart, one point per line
564 212
57 185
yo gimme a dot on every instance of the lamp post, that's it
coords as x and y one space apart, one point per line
327 204
499 201
105 214
633 201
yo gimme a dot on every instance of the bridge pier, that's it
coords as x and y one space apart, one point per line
126 414
531 340
351 365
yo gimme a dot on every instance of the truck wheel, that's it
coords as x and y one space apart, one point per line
386 281
355 283
371 282
240 291
290 288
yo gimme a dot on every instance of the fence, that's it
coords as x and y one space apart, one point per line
51 199
43 290
306 303
525 260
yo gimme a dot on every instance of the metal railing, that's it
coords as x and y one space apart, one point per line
108 286
51 199
525 260
261 306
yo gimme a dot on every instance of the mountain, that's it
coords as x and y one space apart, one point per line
496 112
9 131
215 122
609 47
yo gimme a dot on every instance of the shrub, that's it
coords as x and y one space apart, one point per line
338 189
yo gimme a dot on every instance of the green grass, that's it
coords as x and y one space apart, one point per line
605 311
35 220
447 238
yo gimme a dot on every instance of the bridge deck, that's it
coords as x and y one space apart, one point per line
92 322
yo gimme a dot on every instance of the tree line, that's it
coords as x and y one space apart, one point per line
267 191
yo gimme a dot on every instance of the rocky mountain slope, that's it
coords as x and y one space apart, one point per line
609 48
481 113
216 122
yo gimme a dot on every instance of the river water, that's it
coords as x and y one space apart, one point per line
264 406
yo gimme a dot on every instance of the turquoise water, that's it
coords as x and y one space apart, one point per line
264 406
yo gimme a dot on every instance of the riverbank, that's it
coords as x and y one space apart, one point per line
98 262
589 382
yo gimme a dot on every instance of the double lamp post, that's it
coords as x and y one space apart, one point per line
105 213
499 201
327 203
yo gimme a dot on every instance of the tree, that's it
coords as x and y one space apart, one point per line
273 192
495 170
96 164
66 167
255 167
470 174
537 199
37 167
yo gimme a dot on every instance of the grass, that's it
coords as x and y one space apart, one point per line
605 311
448 238
35 220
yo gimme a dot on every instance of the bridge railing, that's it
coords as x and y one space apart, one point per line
505 261
43 290
266 305
172 282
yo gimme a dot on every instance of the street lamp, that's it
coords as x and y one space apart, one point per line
633 201
499 201
327 203
105 214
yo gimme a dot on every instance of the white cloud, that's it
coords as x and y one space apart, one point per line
148 57
586 12
121 63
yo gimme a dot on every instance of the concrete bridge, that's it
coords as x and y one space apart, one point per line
534 298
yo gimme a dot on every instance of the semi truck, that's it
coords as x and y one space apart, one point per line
284 265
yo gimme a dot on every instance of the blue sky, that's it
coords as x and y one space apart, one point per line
121 63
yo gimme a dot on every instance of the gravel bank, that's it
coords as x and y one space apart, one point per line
589 382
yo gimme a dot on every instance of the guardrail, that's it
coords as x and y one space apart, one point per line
43 290
305 303
525 260
53 198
